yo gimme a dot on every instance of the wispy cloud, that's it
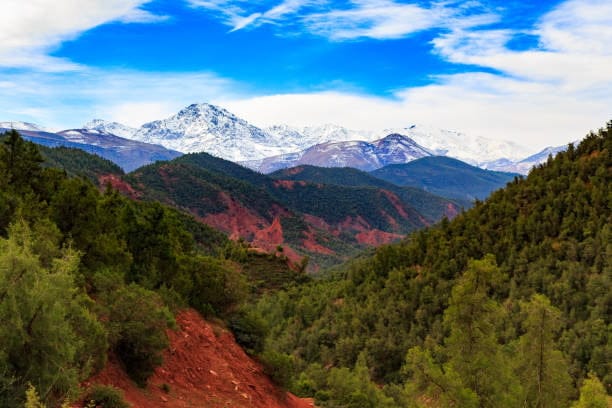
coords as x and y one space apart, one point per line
339 21
551 92
30 30
68 99
573 50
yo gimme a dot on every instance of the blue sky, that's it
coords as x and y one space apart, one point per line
539 73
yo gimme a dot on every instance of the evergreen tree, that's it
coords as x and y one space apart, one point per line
592 394
472 348
39 309
542 367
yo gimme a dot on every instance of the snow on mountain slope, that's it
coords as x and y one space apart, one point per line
128 154
23 126
305 137
472 149
358 154
469 148
208 128
525 165
114 128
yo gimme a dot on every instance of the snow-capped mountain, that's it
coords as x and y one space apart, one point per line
208 128
114 128
304 137
468 148
17 125
362 155
523 166
471 149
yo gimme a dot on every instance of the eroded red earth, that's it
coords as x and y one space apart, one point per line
203 367
118 184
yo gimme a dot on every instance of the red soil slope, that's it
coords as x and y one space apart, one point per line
203 367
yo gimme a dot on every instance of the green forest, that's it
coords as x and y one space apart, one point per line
85 272
507 305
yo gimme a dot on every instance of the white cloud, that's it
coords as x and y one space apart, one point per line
533 114
574 47
29 30
68 99
378 19
548 94
373 19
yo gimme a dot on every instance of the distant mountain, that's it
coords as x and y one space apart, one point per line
525 165
114 128
468 148
446 177
128 154
23 126
441 142
431 206
300 138
208 128
362 155
326 222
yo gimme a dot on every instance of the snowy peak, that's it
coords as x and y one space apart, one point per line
23 126
114 128
469 148
525 165
359 154
208 128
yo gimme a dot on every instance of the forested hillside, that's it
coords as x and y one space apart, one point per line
85 272
76 162
432 207
325 222
446 177
508 305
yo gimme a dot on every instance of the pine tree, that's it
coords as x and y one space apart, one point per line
542 367
473 351
592 394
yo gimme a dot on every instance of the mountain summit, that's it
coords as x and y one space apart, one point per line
362 155
114 128
208 128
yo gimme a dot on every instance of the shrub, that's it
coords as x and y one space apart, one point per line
105 396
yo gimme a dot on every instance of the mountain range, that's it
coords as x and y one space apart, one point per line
326 222
126 153
207 128
361 155
439 175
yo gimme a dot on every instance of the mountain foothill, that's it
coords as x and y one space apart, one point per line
392 268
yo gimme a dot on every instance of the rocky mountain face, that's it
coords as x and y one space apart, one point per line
208 128
361 155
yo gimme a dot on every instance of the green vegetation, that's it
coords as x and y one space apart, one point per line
83 272
446 177
430 206
77 163
204 185
105 397
507 305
